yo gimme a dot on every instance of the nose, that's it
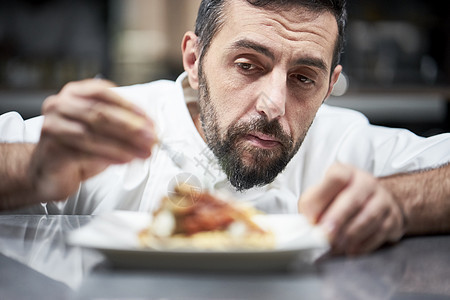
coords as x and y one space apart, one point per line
271 101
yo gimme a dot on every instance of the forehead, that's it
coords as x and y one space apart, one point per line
290 30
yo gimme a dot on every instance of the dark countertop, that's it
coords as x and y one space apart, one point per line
37 263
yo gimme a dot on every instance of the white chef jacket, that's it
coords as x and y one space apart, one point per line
336 134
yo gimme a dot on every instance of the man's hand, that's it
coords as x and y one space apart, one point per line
87 127
356 211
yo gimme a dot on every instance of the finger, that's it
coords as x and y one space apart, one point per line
100 90
74 136
347 205
314 202
381 221
364 225
374 241
117 123
104 119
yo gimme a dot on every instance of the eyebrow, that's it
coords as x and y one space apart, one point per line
312 62
247 44
306 61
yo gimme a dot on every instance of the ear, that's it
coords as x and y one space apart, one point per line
334 78
189 48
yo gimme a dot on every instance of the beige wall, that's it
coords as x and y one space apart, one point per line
148 36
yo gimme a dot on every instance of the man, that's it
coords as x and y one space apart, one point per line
262 70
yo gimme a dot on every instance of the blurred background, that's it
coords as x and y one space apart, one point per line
396 63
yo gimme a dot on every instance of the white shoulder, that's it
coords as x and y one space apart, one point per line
149 95
333 114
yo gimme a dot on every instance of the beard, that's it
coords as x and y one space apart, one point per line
245 166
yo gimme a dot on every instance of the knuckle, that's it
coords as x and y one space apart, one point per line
77 87
52 127
70 87
352 236
395 228
309 205
367 180
49 126
371 219
339 174
79 132
98 113
126 157
49 104
388 226
97 91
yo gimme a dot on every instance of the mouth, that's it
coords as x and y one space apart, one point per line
262 140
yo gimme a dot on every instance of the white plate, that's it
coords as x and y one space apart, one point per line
116 235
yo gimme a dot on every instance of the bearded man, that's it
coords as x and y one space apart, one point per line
246 118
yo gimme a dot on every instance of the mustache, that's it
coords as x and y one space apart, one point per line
263 125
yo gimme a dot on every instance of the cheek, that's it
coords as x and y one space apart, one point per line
300 117
232 101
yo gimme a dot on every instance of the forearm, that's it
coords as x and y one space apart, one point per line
425 199
16 188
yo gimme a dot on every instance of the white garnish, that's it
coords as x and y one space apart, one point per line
237 229
163 224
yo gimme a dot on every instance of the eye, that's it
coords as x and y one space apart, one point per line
246 66
303 79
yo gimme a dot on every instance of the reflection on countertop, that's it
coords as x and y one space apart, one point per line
37 262
39 243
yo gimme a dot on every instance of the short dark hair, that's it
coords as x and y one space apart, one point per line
211 17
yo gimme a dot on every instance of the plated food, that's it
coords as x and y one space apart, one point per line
209 223
193 230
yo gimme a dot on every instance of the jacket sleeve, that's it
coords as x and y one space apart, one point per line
13 129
